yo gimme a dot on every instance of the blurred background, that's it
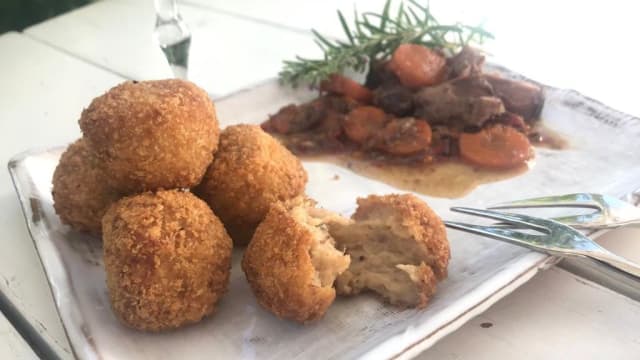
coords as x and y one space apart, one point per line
18 14
559 43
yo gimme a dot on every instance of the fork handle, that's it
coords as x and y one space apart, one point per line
612 271
619 263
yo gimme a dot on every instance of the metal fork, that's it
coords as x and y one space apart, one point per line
610 211
555 239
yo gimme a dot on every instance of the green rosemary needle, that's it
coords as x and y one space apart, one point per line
374 37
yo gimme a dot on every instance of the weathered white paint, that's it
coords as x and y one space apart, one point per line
226 55
42 94
12 345
556 315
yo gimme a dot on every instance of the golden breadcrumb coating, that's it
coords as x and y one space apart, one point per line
399 249
251 171
152 135
167 259
81 195
291 263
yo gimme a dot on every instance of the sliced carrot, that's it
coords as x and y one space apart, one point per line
405 136
417 66
363 123
341 85
498 146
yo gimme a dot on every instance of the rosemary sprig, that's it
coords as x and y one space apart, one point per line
374 37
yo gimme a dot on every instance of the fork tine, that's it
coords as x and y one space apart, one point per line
569 200
529 241
582 221
528 221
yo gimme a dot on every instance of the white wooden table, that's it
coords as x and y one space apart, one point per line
53 69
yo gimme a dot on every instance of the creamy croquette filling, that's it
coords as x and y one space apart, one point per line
374 253
327 261
383 261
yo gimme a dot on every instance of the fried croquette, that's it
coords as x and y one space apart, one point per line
394 245
251 171
291 262
152 135
80 193
167 259
398 248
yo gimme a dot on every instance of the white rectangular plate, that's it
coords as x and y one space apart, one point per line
602 158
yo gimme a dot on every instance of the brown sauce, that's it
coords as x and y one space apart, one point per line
542 136
318 131
440 177
447 179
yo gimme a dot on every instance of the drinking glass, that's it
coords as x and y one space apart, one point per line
173 36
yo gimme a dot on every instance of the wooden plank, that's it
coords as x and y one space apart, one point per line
12 345
557 315
298 15
41 97
237 43
227 53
